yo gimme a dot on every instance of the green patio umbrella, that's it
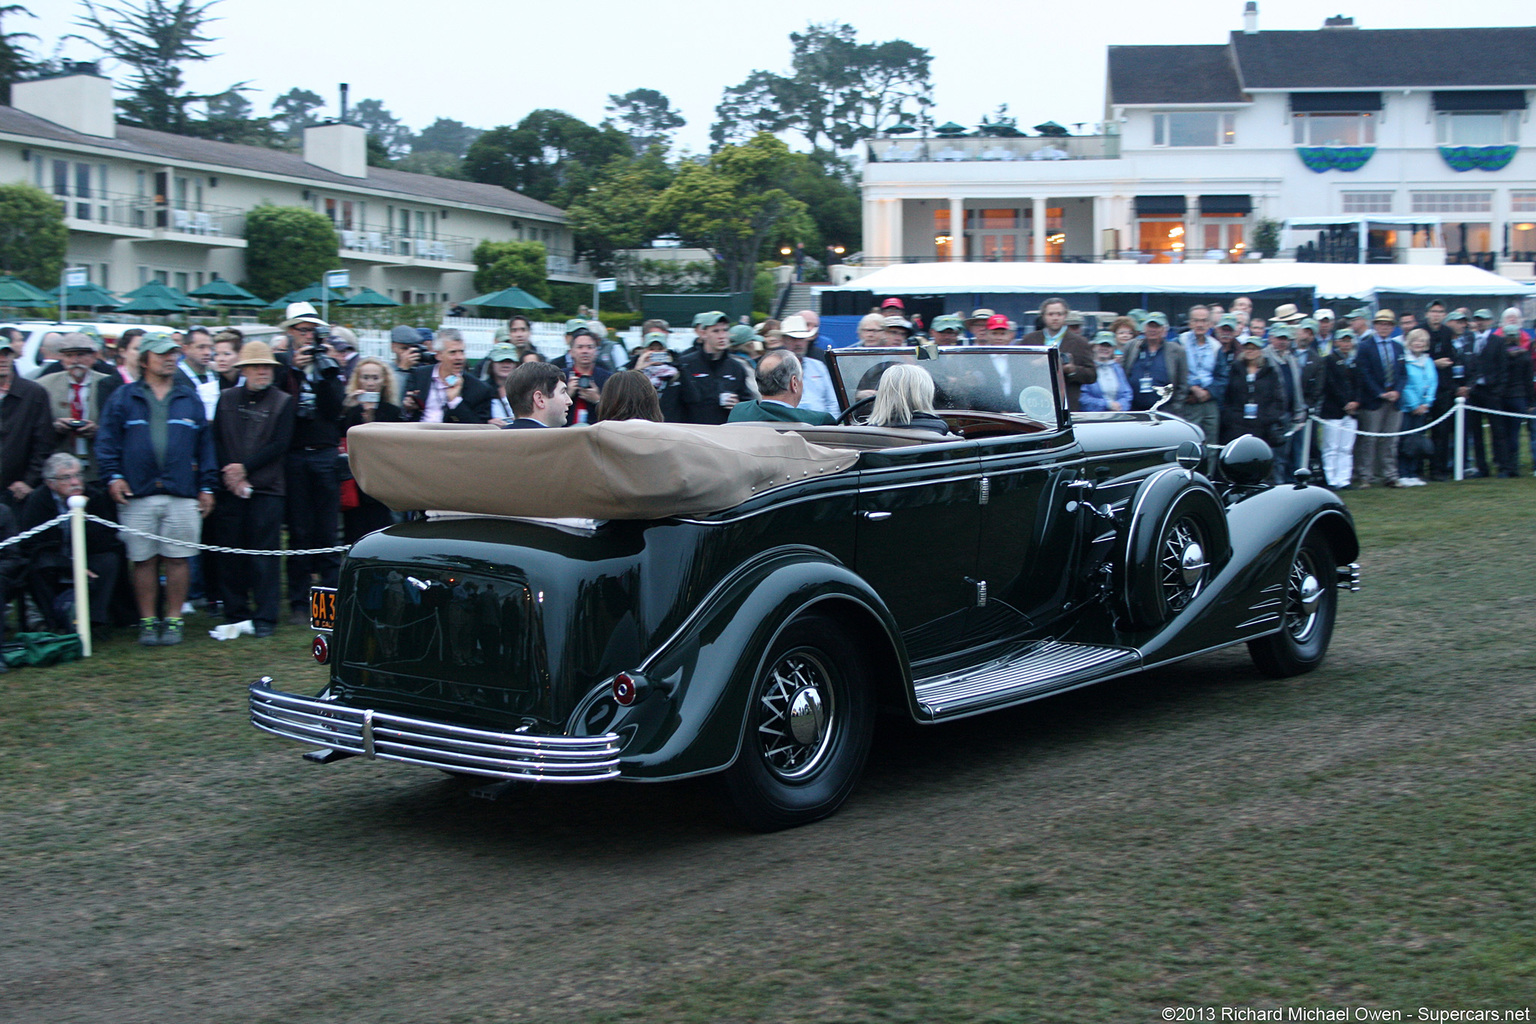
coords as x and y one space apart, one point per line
251 303
151 304
900 128
23 294
309 293
162 292
950 128
220 289
90 295
509 298
368 297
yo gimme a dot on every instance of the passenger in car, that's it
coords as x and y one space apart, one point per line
905 399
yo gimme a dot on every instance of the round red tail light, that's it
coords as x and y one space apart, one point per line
624 689
321 649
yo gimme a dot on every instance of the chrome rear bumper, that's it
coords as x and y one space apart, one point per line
452 748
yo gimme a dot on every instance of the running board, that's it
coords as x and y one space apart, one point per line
1040 669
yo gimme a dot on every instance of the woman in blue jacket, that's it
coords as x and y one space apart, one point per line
1111 390
1418 397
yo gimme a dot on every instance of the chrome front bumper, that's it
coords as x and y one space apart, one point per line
452 748
1349 577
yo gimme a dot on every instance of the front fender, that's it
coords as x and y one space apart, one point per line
689 716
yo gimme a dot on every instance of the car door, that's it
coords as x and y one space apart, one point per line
916 541
1027 536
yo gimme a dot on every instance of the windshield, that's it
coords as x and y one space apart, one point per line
997 378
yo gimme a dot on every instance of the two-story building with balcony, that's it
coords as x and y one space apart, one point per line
1404 145
143 205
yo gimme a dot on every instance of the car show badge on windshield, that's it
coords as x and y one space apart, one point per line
1036 403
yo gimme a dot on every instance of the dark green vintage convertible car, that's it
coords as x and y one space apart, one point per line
647 601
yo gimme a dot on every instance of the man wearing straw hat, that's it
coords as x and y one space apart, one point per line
252 430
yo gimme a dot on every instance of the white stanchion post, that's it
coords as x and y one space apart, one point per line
1460 471
82 580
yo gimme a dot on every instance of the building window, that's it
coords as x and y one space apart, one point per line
1522 240
1334 129
1451 202
1477 127
103 278
943 238
1366 202
1522 202
1164 239
1471 236
1187 128
182 284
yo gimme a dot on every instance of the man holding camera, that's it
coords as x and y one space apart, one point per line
441 392
313 501
585 378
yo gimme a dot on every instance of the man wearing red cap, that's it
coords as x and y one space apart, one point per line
1076 357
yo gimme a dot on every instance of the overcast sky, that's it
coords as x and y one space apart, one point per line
488 64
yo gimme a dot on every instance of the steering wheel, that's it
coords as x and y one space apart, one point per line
847 417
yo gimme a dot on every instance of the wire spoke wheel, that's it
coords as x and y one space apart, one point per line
1306 620
809 721
1182 563
796 715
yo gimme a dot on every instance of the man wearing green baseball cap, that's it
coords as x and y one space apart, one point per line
156 453
712 382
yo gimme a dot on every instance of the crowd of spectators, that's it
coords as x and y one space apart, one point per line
210 438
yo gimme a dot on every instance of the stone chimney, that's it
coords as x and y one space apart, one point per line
1250 17
342 148
1339 21
80 100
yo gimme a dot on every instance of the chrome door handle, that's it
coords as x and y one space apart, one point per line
875 516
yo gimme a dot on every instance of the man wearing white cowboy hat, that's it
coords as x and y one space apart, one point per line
251 433
299 322
1287 313
819 394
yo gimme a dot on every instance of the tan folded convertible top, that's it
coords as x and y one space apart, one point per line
628 469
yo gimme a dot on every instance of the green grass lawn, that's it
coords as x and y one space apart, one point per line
1200 835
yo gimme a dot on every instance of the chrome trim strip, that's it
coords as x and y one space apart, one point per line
387 737
1269 619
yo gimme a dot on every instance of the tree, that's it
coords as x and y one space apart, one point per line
292 112
550 155
32 235
439 165
287 248
229 117
512 264
15 62
828 185
393 137
154 38
646 116
615 213
445 135
838 89
734 203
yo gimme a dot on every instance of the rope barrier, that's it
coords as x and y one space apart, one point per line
62 517
218 548
1401 433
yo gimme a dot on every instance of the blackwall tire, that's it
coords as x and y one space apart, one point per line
1310 606
810 718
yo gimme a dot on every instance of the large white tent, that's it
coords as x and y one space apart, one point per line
1326 280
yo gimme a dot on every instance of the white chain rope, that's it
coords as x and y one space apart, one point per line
1436 421
220 549
39 528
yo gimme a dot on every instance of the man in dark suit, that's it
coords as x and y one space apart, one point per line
538 395
442 392
1383 375
1486 367
1076 356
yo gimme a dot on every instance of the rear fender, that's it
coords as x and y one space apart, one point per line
689 717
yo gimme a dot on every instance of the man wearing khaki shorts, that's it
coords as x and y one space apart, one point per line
156 453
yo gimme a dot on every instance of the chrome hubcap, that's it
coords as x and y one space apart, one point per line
795 715
1182 564
1304 595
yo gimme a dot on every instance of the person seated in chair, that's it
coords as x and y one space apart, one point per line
905 399
781 379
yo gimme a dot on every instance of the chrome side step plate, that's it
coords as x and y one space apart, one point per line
1037 670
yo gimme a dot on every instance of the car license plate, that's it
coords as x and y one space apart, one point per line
322 608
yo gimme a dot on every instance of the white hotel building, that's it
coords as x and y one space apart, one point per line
1423 135
143 205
